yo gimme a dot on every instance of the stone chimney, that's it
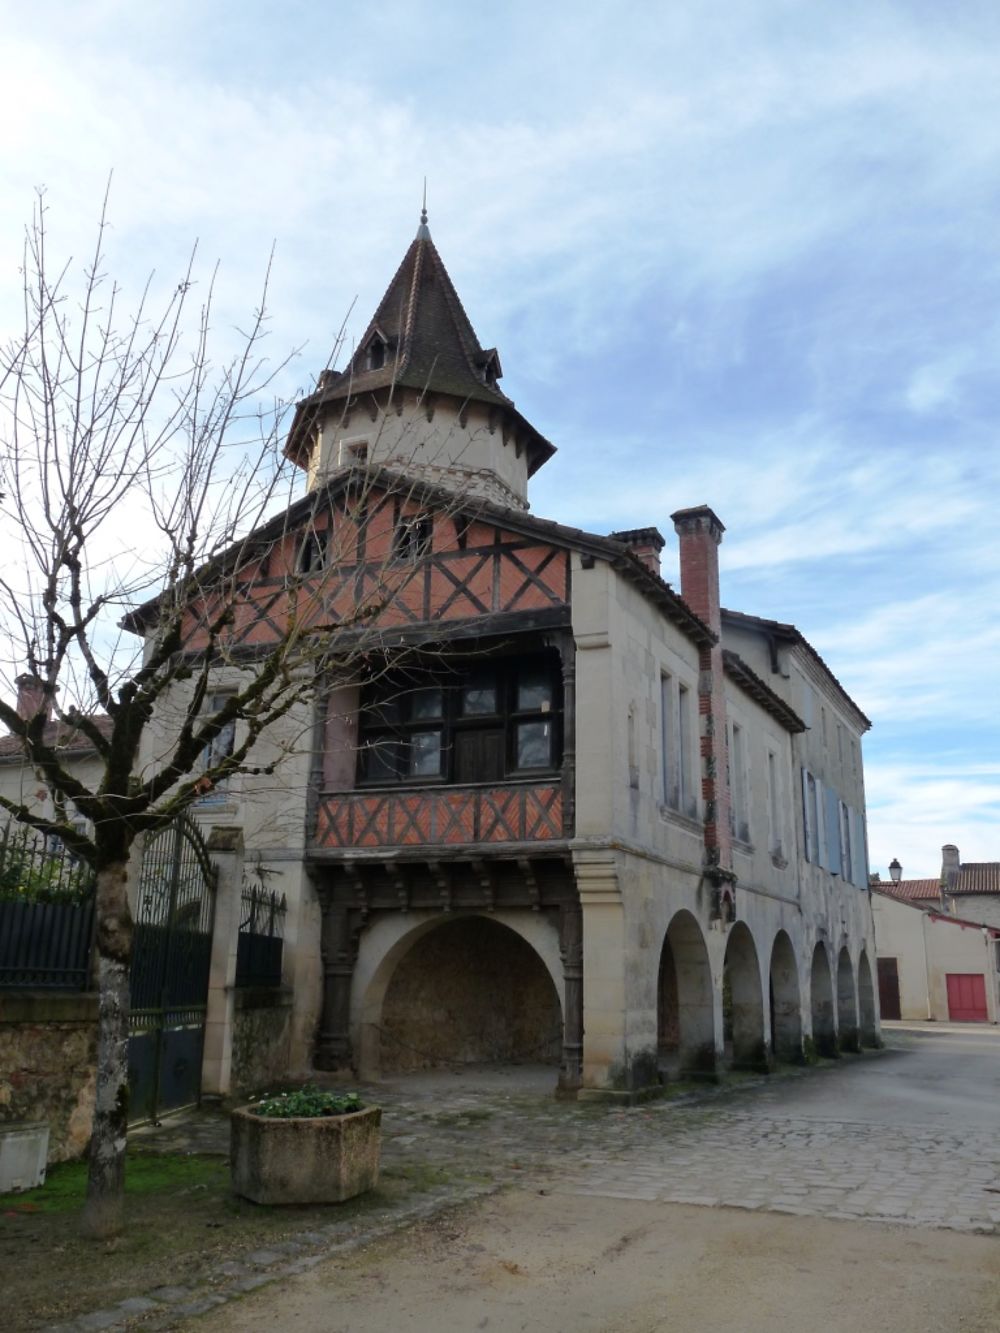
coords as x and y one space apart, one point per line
951 864
644 543
700 531
32 697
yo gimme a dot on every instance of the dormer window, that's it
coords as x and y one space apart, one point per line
490 367
375 354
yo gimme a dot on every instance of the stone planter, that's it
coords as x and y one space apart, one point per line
321 1159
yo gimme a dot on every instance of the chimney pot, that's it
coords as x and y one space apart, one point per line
645 544
951 864
32 697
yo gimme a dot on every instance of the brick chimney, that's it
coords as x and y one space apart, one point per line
32 697
644 543
700 531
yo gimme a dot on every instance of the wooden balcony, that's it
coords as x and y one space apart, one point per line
442 816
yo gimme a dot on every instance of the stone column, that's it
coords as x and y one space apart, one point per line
604 968
339 948
225 846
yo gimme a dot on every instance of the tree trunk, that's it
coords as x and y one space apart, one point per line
104 1209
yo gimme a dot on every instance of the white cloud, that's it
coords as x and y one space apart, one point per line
915 808
740 253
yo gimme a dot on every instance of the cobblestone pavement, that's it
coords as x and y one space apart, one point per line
868 1138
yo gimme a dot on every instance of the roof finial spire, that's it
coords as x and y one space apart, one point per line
423 233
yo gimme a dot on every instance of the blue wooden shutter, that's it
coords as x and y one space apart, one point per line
832 831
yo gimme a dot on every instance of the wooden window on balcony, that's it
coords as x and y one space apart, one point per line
486 723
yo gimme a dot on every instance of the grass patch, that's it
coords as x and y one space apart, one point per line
66 1183
181 1218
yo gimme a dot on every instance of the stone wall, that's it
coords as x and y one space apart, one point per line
48 1056
262 1029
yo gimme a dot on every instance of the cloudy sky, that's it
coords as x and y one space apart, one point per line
741 252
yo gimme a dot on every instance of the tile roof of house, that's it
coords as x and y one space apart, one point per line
935 915
428 344
910 890
58 736
978 877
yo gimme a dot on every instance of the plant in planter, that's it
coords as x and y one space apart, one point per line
307 1146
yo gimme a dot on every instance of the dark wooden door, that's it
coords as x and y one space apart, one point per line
966 997
888 988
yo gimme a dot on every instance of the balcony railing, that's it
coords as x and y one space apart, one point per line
446 816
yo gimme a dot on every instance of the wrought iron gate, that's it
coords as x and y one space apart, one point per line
171 957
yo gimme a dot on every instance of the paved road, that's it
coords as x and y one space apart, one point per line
521 1262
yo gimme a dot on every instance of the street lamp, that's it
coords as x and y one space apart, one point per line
895 870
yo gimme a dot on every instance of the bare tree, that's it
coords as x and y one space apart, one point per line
159 541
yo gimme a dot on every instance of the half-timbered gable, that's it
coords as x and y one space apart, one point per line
372 553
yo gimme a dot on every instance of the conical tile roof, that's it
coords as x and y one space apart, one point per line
419 338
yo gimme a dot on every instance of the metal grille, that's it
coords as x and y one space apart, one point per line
170 970
46 913
259 946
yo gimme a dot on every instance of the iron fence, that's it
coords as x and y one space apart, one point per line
46 914
260 941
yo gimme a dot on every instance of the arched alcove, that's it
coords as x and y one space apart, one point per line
686 1020
463 991
745 1042
866 1003
786 1001
824 1028
847 1007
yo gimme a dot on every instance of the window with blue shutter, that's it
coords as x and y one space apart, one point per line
832 831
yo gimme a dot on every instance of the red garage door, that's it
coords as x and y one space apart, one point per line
966 997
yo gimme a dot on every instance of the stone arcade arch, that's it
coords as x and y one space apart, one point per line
786 1001
866 1003
458 990
824 1028
685 1010
744 1021
847 1007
